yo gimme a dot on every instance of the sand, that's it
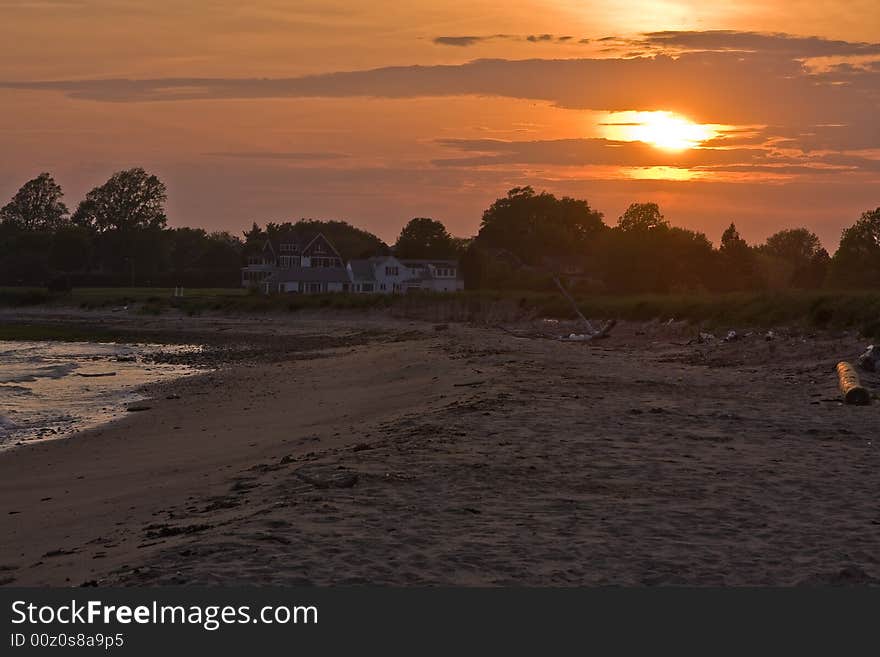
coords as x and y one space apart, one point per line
351 449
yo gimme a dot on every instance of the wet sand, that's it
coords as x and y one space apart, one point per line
352 449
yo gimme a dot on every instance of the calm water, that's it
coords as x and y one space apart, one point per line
46 390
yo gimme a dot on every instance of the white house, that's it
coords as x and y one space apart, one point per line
287 265
390 275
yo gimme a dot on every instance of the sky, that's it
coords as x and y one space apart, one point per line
758 112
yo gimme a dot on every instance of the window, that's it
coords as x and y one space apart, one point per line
368 287
391 271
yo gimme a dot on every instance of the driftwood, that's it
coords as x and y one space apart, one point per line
850 386
591 333
577 310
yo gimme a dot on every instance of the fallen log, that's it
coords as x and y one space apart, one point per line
850 386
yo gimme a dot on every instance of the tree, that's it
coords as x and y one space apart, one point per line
532 226
857 261
425 238
802 252
70 249
36 206
130 200
642 216
731 240
738 264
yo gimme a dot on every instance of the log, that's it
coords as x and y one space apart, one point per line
850 386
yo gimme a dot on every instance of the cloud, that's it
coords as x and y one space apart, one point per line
472 40
605 152
729 40
460 41
722 85
735 78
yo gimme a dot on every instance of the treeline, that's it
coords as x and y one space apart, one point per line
526 239
118 236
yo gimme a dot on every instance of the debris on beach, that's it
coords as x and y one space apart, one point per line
95 374
593 335
731 336
851 386
137 408
870 360
326 476
770 335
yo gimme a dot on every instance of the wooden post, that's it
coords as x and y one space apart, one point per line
850 386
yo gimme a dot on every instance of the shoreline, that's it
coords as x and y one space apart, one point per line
340 450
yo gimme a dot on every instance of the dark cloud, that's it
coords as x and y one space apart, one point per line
728 40
464 41
718 87
460 41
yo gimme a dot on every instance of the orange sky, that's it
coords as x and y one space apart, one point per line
379 111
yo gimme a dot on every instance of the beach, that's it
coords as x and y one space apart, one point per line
346 448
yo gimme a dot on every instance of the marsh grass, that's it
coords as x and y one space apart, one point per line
816 309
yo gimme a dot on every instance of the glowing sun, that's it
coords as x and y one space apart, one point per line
664 130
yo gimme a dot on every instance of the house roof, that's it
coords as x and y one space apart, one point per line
436 263
310 275
362 270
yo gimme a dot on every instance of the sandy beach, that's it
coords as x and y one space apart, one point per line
363 449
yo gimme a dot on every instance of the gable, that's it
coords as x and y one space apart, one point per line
320 247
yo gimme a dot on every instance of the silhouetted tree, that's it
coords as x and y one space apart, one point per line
857 260
425 238
738 266
802 252
70 249
642 216
129 200
651 256
532 225
36 206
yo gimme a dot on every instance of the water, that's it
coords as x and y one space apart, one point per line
48 389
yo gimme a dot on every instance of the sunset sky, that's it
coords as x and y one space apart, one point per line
762 112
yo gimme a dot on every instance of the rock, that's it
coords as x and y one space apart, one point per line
870 360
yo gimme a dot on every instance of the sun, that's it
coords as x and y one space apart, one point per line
661 129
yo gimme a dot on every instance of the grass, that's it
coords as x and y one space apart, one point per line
819 309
